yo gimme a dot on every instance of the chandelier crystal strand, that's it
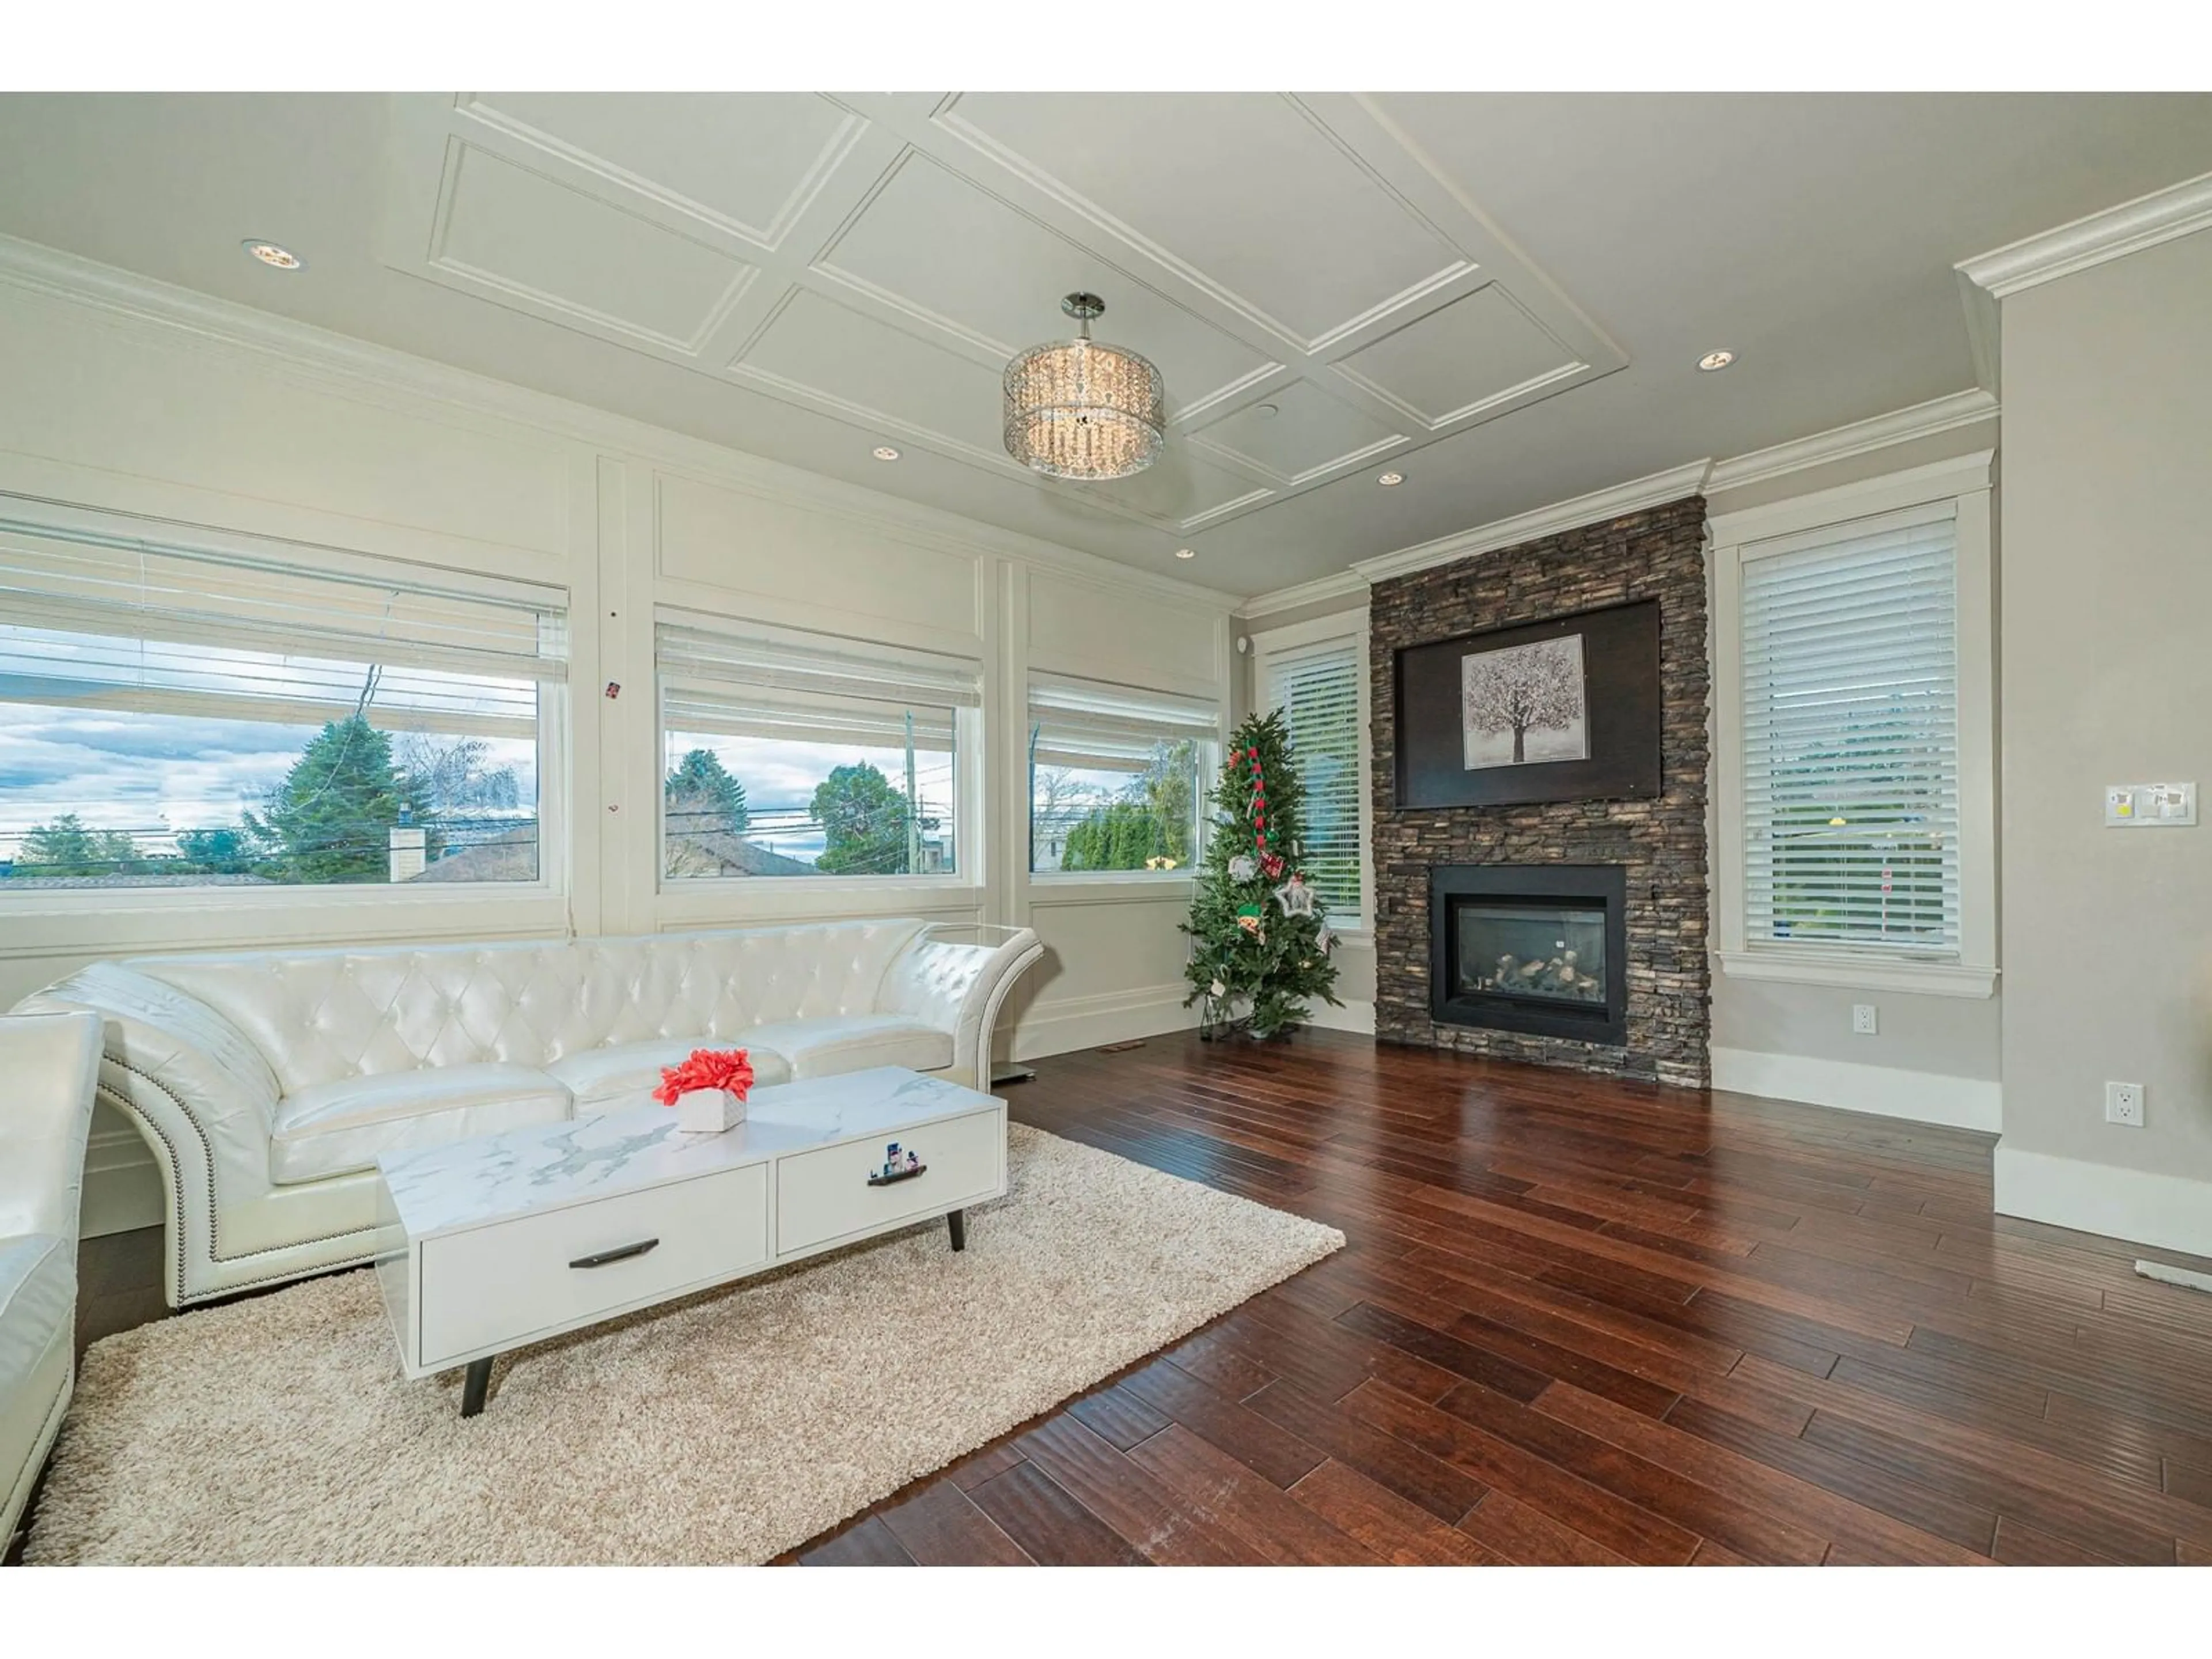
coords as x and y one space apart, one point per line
1080 409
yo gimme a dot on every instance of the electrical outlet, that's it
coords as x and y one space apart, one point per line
1862 1019
2123 1103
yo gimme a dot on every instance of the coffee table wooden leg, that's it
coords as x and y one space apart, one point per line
958 1221
472 1389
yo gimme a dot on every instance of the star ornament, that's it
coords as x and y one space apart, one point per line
1296 897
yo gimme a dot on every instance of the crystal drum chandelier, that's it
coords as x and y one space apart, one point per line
1077 408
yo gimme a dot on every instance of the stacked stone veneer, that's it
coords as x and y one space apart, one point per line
1657 554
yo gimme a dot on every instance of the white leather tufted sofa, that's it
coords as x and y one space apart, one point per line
47 1071
267 1084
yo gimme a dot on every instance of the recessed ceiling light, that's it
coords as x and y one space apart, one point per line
885 452
1266 412
1388 479
282 258
1186 552
1713 360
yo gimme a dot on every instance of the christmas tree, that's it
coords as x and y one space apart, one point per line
1260 935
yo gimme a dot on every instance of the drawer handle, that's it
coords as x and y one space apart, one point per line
622 1254
894 1178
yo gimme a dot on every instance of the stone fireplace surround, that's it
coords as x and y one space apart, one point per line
1656 553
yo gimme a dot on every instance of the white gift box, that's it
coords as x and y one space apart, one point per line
708 1111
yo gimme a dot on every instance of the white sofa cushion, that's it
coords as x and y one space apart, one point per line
628 1072
334 1128
818 1047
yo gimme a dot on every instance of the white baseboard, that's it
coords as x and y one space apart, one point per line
1353 1016
1063 1025
122 1185
2171 1212
1956 1103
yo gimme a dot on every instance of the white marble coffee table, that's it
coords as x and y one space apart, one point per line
512 1238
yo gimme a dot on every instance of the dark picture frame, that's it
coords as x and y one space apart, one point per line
1620 712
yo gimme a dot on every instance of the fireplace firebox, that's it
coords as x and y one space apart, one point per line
1541 949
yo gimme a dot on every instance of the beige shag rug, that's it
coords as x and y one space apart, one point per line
727 1428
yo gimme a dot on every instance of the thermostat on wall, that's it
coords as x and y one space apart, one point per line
2150 805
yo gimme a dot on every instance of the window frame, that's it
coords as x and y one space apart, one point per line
1738 538
969 758
1207 768
131 917
1272 645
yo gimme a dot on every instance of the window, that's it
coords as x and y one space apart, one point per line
183 716
1316 674
1114 777
1850 738
1857 812
791 754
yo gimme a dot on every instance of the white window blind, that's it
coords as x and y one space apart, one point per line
1108 729
1317 689
779 685
1851 737
137 625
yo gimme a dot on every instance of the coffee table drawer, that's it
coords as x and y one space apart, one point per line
501 1284
825 1195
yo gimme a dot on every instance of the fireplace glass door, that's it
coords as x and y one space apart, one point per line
1542 953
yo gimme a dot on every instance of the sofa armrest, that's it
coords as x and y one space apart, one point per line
52 1063
957 986
184 1068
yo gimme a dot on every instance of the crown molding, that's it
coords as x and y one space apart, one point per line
1594 508
386 376
2117 231
1899 426
1342 585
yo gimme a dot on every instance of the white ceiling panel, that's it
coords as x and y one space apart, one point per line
508 229
1180 492
1243 190
1452 363
1297 434
885 377
934 243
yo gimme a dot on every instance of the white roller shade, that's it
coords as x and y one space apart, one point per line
1851 729
1318 691
783 662
85 574
96 615
1103 729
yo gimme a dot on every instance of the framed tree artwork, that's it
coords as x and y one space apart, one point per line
1567 709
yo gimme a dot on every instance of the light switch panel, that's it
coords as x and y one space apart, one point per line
2150 805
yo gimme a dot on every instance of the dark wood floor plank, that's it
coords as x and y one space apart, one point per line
1401 1533
866 1542
1445 1492
1037 1513
1145 1516
1174 1395
1527 1537
939 1527
1239 1500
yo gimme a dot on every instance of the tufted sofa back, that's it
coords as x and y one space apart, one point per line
320 1016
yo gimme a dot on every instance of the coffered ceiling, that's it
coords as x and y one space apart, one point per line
1501 297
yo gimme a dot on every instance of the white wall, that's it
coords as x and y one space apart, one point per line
2107 598
183 409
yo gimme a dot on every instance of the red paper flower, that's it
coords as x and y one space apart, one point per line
707 1068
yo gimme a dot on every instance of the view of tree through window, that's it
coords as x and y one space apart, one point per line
741 803
133 763
1094 818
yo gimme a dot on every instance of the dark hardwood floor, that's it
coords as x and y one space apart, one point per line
1576 1321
